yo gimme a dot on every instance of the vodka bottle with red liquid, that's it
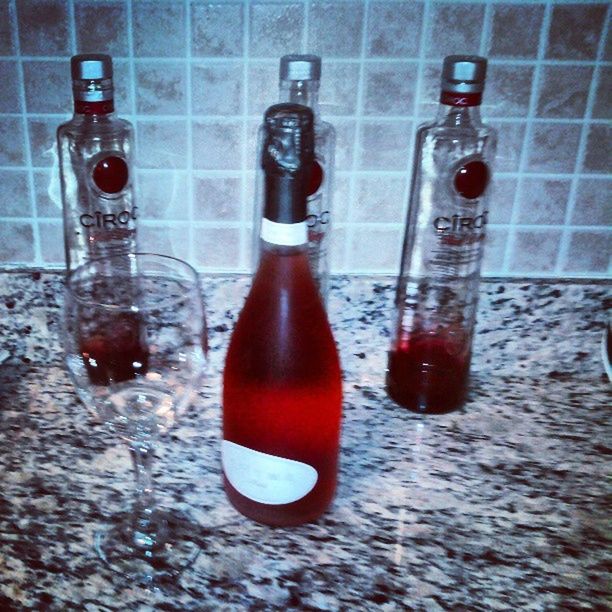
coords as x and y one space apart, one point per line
437 290
95 159
299 80
282 390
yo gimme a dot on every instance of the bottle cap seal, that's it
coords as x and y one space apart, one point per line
300 68
91 67
287 158
288 139
464 74
92 77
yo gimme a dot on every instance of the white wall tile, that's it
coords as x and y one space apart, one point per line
276 29
14 194
12 145
394 29
43 27
196 77
217 88
335 28
101 27
217 145
17 240
217 29
159 29
9 92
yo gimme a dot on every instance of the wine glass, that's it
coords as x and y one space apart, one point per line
135 347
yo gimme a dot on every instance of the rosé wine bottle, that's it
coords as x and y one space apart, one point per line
282 387
437 290
95 158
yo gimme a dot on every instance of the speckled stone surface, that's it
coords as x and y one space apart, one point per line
503 505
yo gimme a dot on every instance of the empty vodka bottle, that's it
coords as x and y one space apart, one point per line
437 290
95 158
299 79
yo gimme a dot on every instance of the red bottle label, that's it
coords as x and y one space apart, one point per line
471 179
110 174
460 99
94 108
316 178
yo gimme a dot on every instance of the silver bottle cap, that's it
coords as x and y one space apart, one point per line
464 73
300 68
92 77
91 66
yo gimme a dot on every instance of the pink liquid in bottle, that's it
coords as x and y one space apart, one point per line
426 373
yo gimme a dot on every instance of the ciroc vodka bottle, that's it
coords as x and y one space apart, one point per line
95 159
299 79
437 290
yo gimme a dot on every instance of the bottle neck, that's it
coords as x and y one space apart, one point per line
455 112
301 92
96 110
93 96
284 215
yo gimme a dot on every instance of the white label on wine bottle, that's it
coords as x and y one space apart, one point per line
285 234
266 479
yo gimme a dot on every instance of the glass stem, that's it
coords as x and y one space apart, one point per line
145 534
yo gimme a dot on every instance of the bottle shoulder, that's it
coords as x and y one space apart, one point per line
436 129
285 279
80 125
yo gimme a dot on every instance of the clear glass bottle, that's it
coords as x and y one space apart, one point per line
95 159
437 290
300 76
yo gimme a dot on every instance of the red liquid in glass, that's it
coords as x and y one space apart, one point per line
427 374
282 390
117 353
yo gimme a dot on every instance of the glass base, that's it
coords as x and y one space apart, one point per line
149 550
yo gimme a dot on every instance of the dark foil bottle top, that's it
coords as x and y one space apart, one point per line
288 148
287 159
92 77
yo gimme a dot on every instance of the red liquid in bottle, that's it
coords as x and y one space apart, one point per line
428 374
282 390
117 353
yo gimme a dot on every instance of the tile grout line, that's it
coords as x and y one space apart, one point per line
408 172
191 247
38 260
349 235
563 253
221 173
501 61
527 139
131 66
133 105
72 27
305 31
162 222
483 47
380 118
246 238
486 29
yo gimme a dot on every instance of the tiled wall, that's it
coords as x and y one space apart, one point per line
195 76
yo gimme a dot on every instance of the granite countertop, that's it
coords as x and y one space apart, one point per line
503 505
